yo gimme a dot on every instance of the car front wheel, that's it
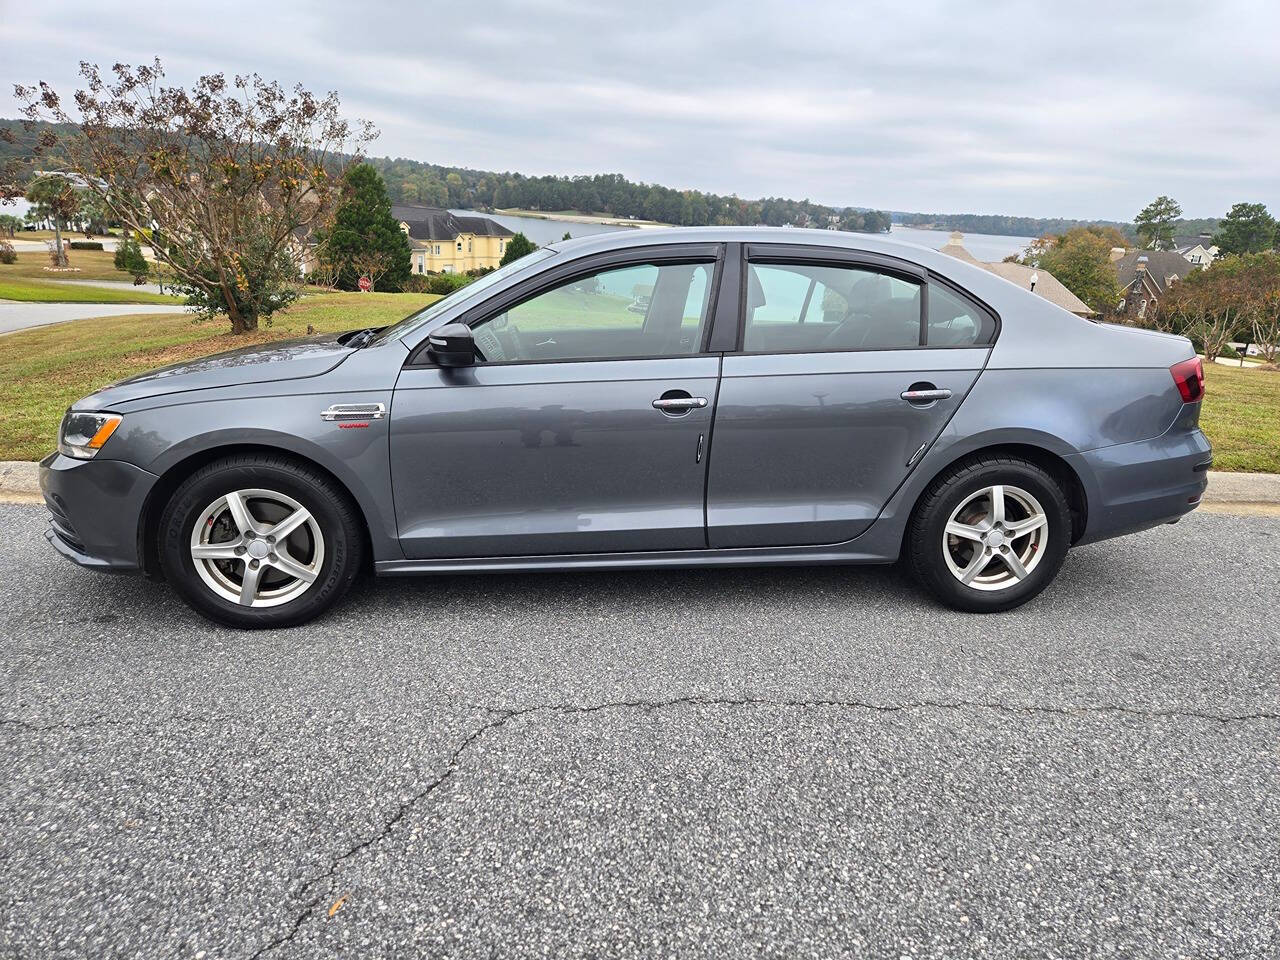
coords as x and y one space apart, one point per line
260 541
990 534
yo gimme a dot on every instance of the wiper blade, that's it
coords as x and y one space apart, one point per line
361 338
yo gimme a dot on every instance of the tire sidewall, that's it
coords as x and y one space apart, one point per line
927 534
206 486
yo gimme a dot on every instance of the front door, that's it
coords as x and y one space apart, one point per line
847 372
582 430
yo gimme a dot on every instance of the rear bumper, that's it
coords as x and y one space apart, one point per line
95 507
1144 484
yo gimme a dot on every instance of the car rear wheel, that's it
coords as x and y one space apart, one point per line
990 534
260 541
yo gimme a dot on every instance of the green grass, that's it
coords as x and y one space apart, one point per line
46 291
46 369
1241 417
87 264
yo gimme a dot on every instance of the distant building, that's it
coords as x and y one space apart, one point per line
447 242
1036 279
1145 276
1198 250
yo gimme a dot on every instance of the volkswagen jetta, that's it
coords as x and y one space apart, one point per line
664 398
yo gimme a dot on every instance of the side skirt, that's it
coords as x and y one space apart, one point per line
676 559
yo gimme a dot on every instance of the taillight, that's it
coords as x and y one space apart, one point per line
1189 376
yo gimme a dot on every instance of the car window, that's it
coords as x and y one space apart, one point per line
955 321
811 307
640 310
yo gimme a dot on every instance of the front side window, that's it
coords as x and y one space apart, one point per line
641 310
816 308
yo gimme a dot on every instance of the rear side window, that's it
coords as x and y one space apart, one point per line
955 320
826 307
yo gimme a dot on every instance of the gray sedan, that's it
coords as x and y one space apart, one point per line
779 397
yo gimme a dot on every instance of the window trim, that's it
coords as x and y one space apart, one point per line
658 254
816 256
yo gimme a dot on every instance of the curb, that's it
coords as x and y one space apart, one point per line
1250 493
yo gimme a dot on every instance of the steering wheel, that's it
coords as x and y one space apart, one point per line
499 345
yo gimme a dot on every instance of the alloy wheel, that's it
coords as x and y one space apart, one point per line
995 538
257 548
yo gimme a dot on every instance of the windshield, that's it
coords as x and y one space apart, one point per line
432 310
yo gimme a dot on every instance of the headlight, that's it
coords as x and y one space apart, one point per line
83 434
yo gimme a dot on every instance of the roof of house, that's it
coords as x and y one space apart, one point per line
1186 243
1047 285
1161 266
436 223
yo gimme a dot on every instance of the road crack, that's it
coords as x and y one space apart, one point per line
501 716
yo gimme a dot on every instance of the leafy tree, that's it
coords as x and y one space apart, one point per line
364 237
230 171
129 257
1247 228
9 224
1211 306
54 197
1155 221
517 247
1081 261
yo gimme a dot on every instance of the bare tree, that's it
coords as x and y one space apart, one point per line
230 172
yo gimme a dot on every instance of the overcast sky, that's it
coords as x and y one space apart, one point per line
1082 110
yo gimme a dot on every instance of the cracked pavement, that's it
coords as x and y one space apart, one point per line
787 762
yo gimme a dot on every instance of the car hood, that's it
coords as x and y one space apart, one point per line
261 363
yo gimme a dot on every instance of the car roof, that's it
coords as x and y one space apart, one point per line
653 236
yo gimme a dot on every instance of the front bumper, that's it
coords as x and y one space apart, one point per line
95 509
1144 484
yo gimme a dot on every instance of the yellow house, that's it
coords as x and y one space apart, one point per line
447 242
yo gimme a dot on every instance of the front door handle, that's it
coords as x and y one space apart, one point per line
679 403
924 396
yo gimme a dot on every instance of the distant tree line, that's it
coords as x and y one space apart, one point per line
412 181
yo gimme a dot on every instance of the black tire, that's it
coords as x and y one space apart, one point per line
925 533
338 521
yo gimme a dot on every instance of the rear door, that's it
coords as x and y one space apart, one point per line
583 427
848 366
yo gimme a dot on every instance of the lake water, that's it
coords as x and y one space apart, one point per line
986 247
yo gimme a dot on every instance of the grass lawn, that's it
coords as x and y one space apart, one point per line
88 264
45 291
46 369
1241 416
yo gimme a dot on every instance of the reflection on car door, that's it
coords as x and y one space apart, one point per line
829 402
553 444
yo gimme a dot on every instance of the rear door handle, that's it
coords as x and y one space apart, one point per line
679 403
924 396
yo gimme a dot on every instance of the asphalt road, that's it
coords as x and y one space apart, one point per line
786 762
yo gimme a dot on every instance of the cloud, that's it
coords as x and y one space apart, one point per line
1086 110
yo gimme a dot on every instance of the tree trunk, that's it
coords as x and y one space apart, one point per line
61 259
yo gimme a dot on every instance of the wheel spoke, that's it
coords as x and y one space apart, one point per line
215 551
289 524
974 567
1020 528
240 515
997 505
249 586
966 530
1014 564
286 564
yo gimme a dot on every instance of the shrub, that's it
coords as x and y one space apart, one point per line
85 245
129 258
6 252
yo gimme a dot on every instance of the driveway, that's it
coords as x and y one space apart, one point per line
789 762
20 316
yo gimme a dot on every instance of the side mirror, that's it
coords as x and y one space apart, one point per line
452 345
